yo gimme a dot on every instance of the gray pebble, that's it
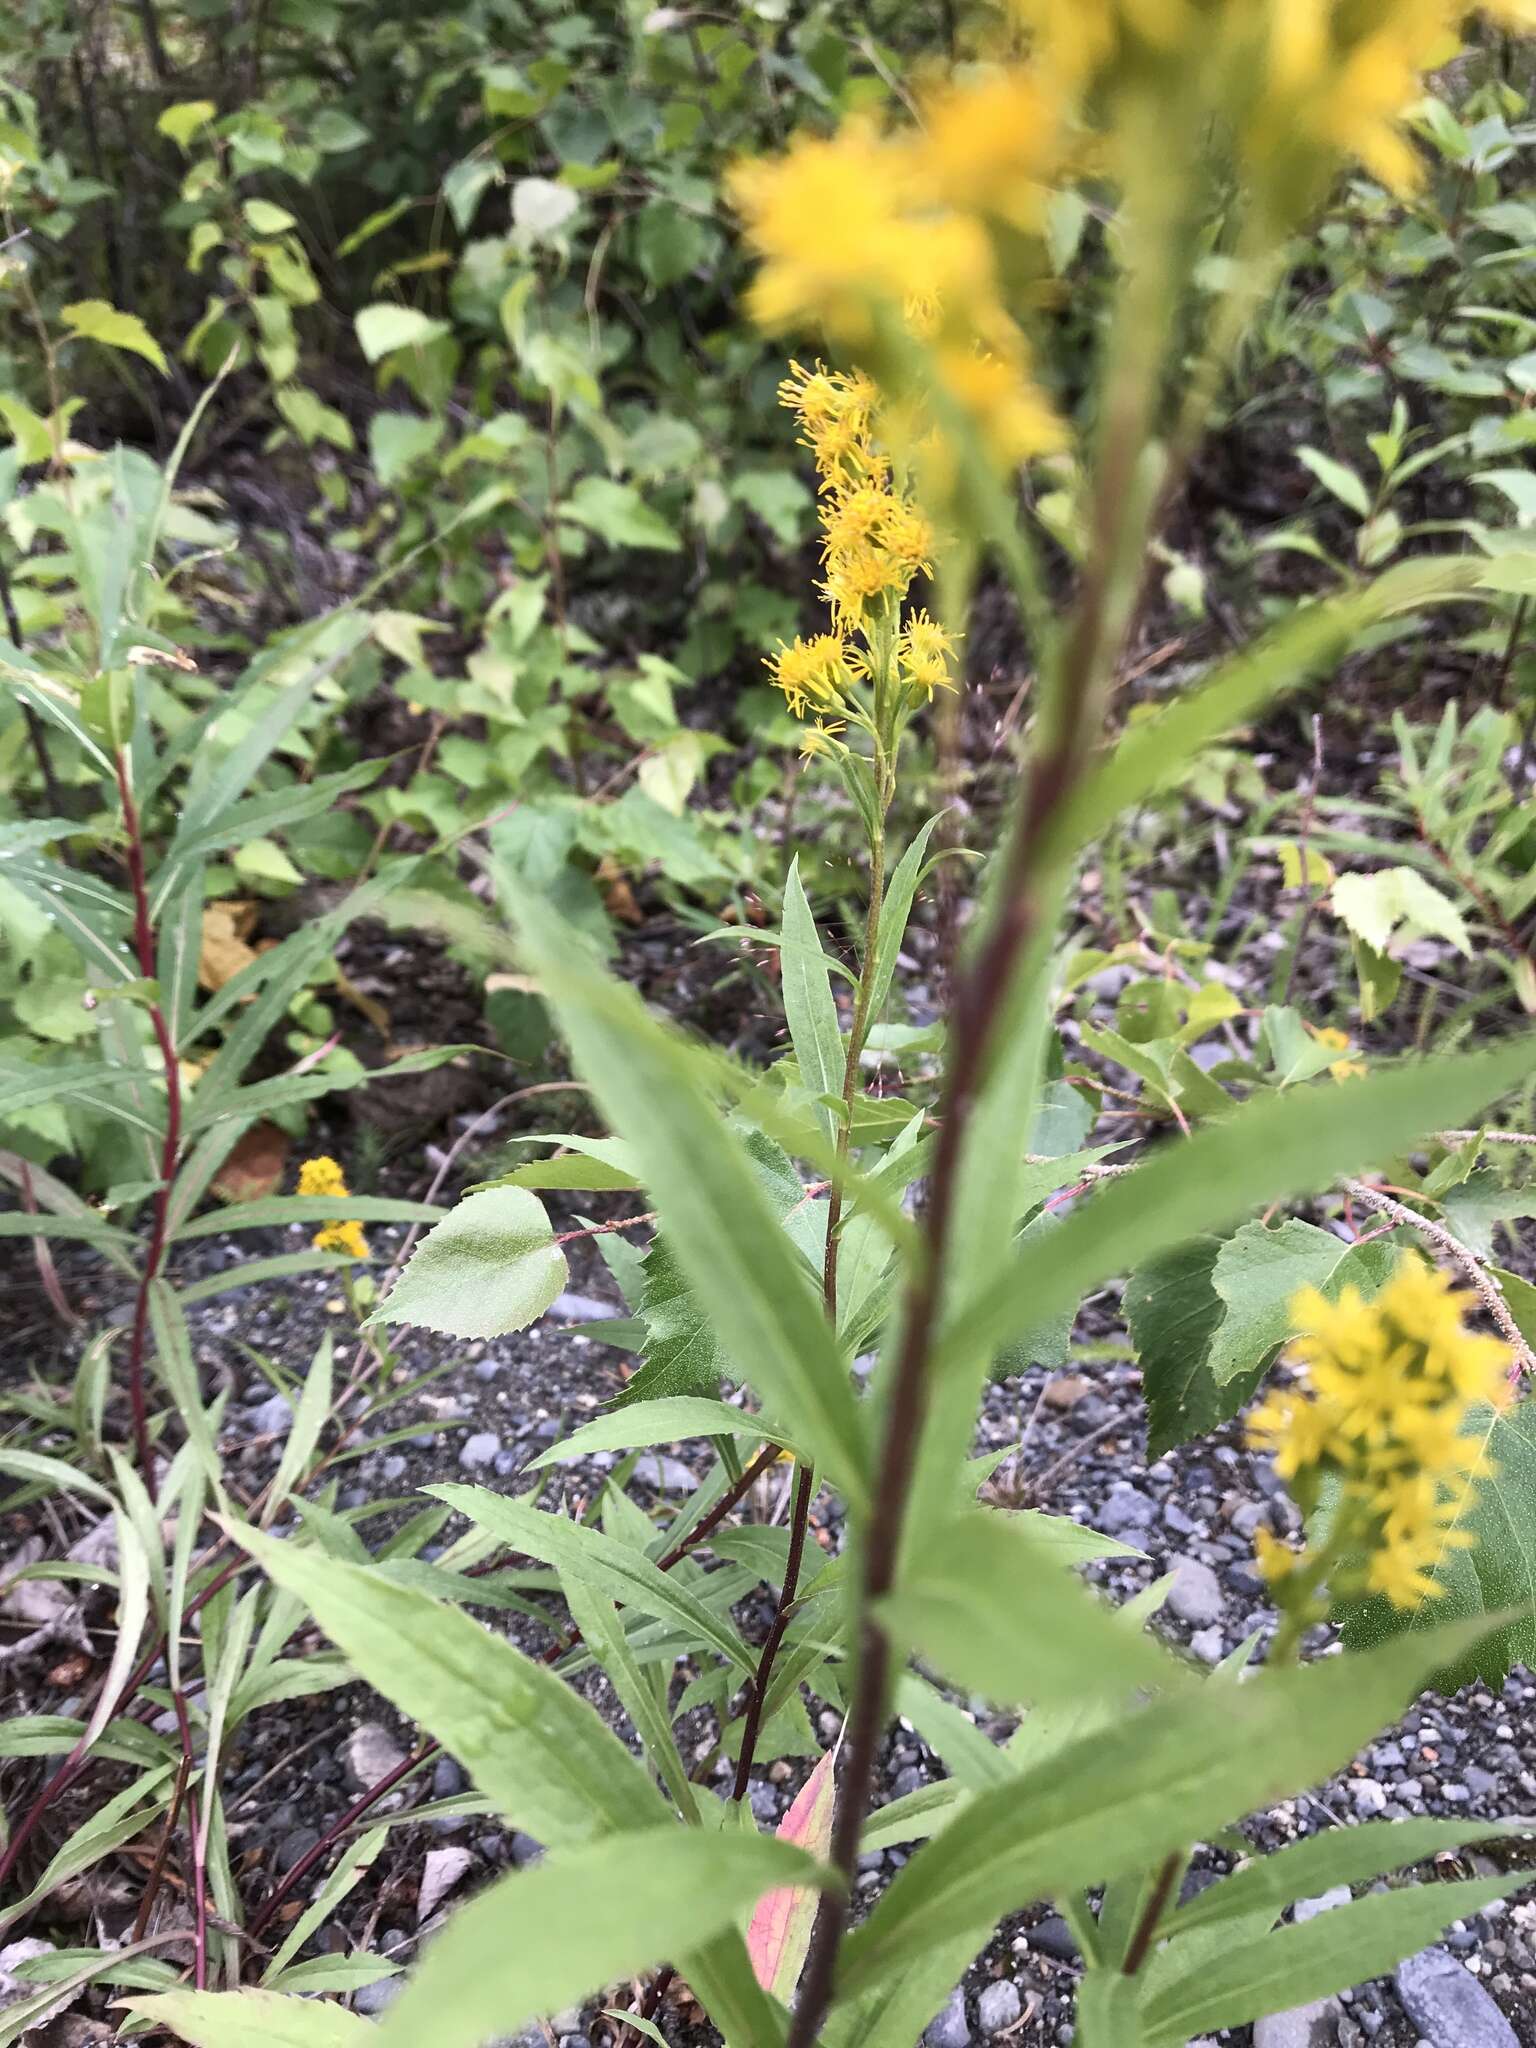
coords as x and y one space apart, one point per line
525 1850
273 1417
1304 2026
447 1778
1325 1902
379 1996
1209 1645
1053 1937
671 1475
479 1450
1126 1513
1448 2005
998 2006
581 1308
1195 1595
393 1468
293 1848
949 2028
1368 1797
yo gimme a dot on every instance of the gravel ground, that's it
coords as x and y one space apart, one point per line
1192 1513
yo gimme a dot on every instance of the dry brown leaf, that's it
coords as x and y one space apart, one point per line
256 1165
226 948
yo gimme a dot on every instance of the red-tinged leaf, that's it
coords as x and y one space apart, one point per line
780 1933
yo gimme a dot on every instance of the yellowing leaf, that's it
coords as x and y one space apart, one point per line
1397 903
1300 864
780 1930
225 949
95 320
182 121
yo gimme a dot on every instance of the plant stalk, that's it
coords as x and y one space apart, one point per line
154 1261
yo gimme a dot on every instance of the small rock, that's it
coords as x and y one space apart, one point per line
294 1847
998 2006
1325 1902
1368 1796
1126 1513
486 1369
1448 2005
378 1996
949 2029
272 1417
479 1450
1195 1595
447 1779
440 1873
14 1989
581 1308
1209 1645
1304 2026
1053 1937
911 1780
370 1753
1066 1391
525 1850
670 1475
393 1468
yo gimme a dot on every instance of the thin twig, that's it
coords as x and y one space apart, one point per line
1489 1292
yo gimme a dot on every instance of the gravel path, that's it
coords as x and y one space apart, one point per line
1192 1512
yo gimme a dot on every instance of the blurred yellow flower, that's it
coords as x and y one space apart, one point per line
322 1176
1385 1391
813 674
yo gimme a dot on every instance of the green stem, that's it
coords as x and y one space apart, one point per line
805 1478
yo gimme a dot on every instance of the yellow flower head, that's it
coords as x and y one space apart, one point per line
989 147
813 674
1384 1395
343 1237
925 652
322 1176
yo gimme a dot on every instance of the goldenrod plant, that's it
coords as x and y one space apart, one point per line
807 1223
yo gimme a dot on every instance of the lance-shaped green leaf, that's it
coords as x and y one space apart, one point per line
1338 1856
534 1747
1277 1146
736 1256
1138 1790
660 1422
577 1551
583 1919
1291 1966
809 1010
240 2019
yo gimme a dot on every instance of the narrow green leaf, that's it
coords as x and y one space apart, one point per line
1293 1965
809 1009
994 1607
905 879
603 1633
659 1422
239 2019
1338 1856
583 1919
277 1209
534 1747
736 1257
1139 1789
1277 1146
603 1561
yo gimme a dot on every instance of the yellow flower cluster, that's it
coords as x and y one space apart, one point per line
917 225
323 1176
875 541
1383 1397
942 221
1303 85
